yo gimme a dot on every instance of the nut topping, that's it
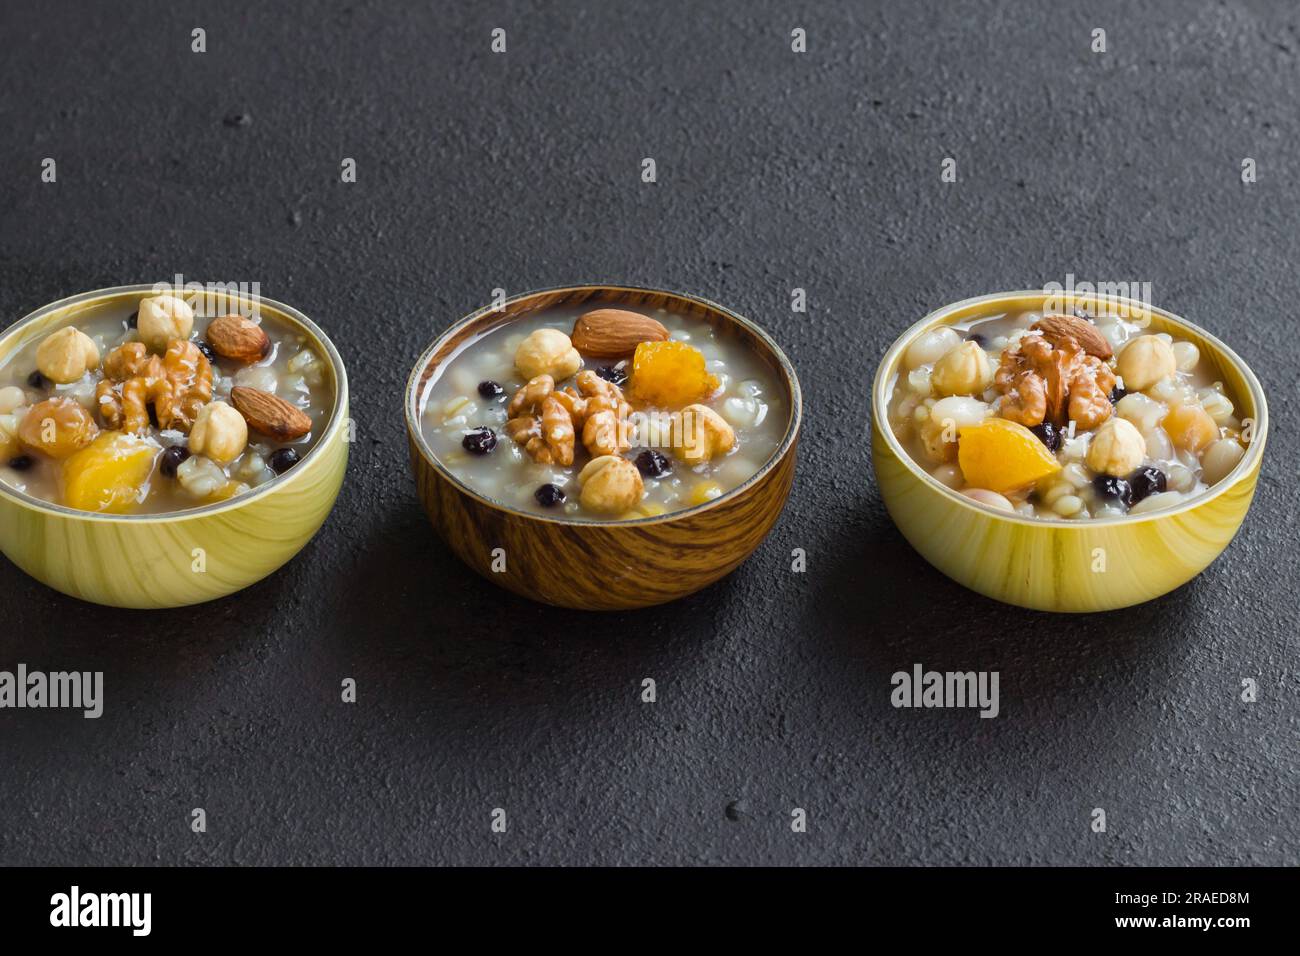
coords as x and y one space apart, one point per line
545 420
547 352
270 414
1146 360
66 355
615 333
530 397
1117 448
235 337
962 371
1042 382
162 319
702 436
1061 329
610 485
177 385
219 433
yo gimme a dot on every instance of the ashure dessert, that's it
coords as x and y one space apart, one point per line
1065 416
158 410
603 414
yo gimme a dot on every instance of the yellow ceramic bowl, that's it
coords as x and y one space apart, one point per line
169 560
1055 564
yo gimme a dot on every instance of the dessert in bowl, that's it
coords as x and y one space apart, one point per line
159 448
643 439
1066 452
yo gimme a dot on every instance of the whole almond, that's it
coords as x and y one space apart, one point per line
238 338
270 414
613 333
1057 328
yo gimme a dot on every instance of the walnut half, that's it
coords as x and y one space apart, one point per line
177 385
1057 381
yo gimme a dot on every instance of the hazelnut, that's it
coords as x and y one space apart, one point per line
66 355
702 435
219 433
1117 448
1146 360
965 370
1191 427
547 352
610 485
162 319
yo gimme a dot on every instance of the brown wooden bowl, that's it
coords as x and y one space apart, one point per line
606 565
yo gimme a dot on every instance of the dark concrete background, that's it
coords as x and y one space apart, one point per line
775 170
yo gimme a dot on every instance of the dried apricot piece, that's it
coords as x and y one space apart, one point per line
57 427
1002 455
670 374
111 474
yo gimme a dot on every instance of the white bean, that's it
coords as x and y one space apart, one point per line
990 498
929 347
1165 499
1220 458
10 398
949 475
1186 355
1067 505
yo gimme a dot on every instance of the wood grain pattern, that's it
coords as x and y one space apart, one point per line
149 561
621 564
1052 565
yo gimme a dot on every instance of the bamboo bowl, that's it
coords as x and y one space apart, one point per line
1055 564
186 557
616 564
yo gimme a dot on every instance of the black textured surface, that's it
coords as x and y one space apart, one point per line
775 170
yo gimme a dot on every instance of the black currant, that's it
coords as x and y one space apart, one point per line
172 459
282 459
480 441
652 464
548 495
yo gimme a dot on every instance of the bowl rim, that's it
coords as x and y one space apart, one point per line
332 427
411 401
1248 464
